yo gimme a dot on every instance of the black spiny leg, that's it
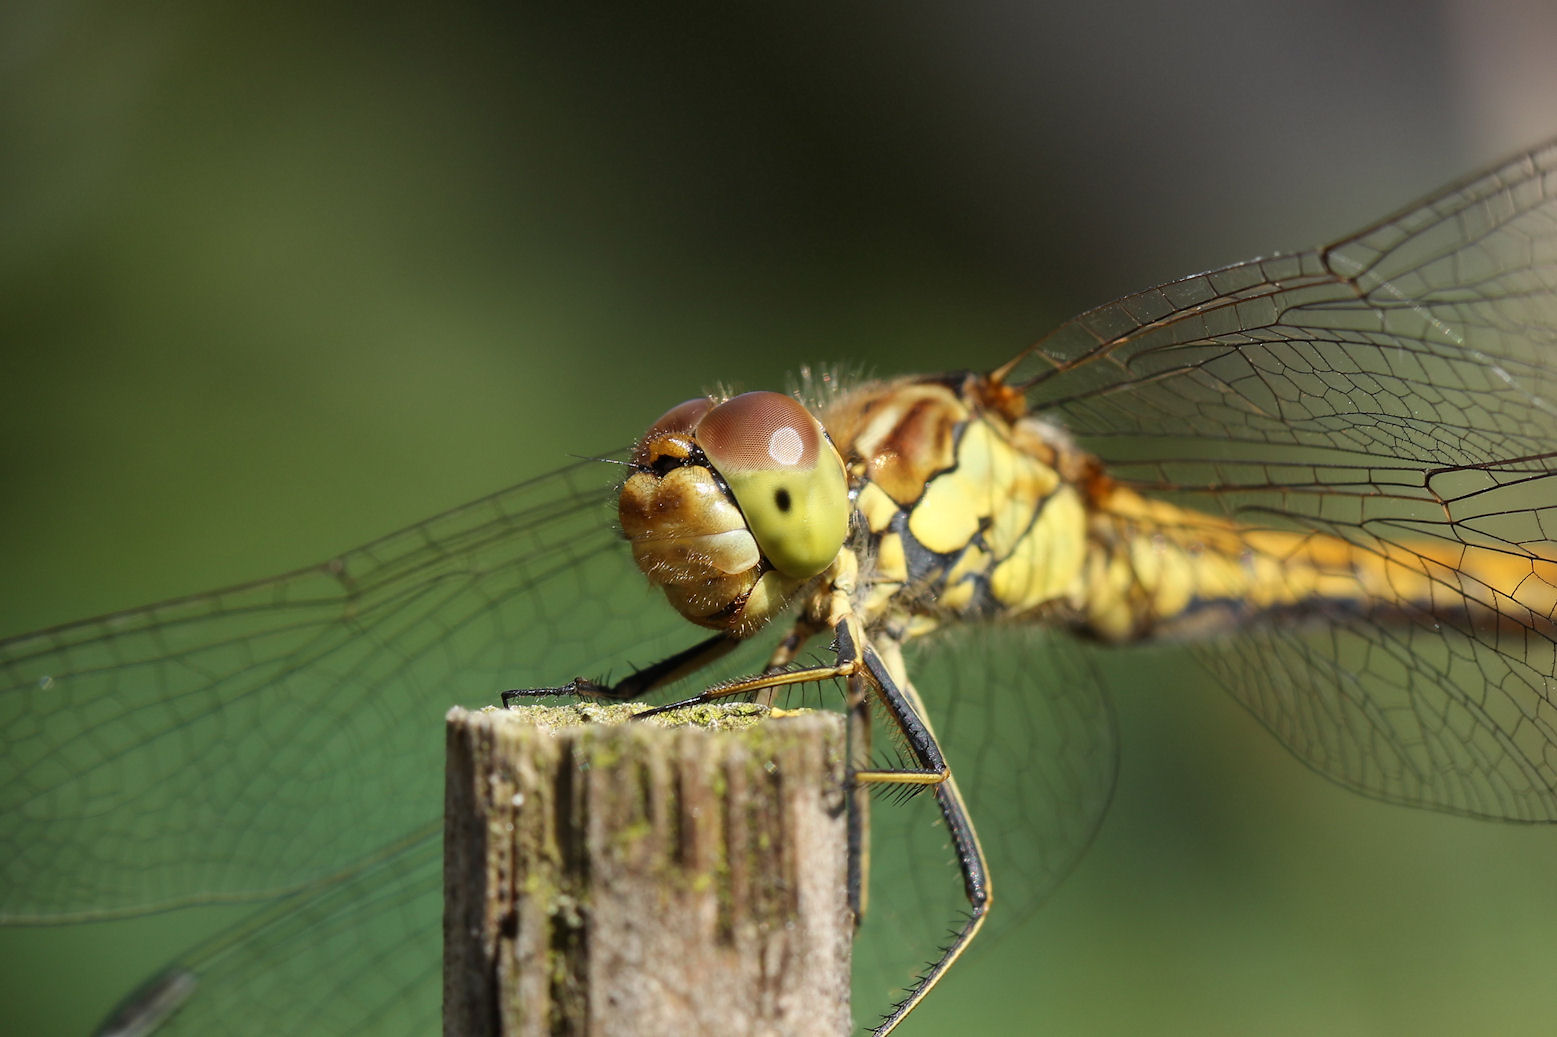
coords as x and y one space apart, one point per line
931 770
639 682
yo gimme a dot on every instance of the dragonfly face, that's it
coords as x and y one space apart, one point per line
1332 474
732 507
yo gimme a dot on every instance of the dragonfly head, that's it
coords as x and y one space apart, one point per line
733 506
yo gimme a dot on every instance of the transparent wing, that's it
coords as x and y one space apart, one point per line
250 742
356 956
1396 388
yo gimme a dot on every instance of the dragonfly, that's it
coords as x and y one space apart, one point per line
1330 476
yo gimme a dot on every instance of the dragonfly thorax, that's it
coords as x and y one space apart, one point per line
968 507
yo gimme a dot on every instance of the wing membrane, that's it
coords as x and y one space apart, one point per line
357 956
248 742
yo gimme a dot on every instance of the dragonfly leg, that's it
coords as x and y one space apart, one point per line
901 700
641 681
975 879
760 682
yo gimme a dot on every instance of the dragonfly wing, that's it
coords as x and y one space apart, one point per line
1409 713
347 957
250 742
1397 389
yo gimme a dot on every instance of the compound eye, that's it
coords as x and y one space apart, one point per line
785 475
675 424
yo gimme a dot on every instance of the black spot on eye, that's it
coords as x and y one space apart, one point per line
781 498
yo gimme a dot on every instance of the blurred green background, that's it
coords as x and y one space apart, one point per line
275 279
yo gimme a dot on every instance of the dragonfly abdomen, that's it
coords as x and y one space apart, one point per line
1158 570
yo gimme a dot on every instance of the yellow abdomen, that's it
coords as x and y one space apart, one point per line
1171 571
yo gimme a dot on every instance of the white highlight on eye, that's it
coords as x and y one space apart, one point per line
785 445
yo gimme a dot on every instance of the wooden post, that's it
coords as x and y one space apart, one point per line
677 875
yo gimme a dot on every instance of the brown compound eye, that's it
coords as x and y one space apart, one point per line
673 429
759 431
784 474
